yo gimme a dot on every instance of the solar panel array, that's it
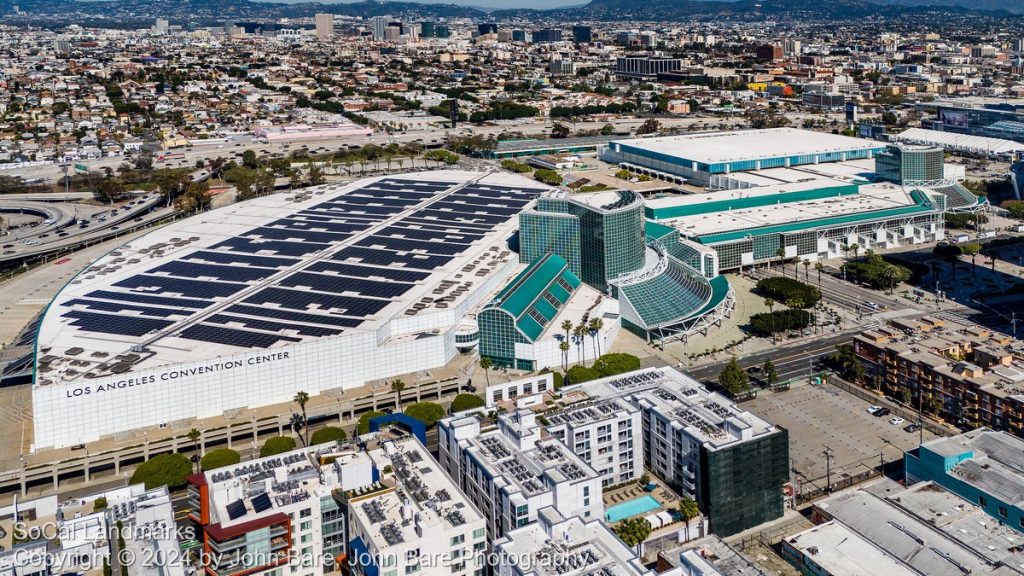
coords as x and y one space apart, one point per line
321 298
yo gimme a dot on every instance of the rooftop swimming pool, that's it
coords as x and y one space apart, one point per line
631 508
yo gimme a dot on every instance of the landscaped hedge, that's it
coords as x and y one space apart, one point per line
219 458
779 321
328 434
277 445
788 290
466 402
169 470
427 412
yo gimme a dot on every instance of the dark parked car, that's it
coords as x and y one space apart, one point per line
883 412
912 427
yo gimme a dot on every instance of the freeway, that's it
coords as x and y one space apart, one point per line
140 212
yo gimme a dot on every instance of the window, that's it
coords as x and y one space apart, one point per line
306 513
982 501
458 539
306 525
306 538
478 533
1002 512
412 568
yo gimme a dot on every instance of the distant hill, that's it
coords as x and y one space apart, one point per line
142 12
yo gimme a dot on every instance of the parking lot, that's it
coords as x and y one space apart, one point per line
824 416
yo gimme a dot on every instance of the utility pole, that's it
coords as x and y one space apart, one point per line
827 453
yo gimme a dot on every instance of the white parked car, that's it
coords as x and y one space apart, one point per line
873 409
896 421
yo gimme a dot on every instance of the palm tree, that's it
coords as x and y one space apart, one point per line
301 398
807 270
567 326
194 435
596 324
485 363
578 332
397 385
890 277
856 250
992 261
819 267
771 311
781 253
564 347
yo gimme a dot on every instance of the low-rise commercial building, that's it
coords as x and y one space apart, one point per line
982 466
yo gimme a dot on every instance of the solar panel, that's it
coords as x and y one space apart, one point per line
143 299
236 509
115 324
253 246
261 503
386 258
188 288
232 337
267 233
293 316
123 307
343 269
226 273
301 300
269 326
340 285
225 258
411 245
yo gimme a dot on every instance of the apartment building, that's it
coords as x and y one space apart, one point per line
699 442
510 473
961 371
606 434
415 521
556 545
280 515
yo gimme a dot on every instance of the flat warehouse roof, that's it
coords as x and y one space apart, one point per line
721 147
876 200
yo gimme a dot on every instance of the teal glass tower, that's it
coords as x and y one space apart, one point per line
904 163
600 235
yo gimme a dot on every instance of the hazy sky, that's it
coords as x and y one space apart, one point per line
476 3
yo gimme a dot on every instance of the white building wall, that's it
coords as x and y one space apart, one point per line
83 411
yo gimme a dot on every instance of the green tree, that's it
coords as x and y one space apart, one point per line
564 347
595 325
277 445
302 398
850 366
485 364
363 425
327 434
109 190
579 373
616 363
466 402
771 376
733 378
650 126
219 458
397 387
249 159
549 177
771 313
169 470
194 435
427 412
633 531
688 509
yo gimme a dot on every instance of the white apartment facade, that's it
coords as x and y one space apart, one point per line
419 523
510 474
606 434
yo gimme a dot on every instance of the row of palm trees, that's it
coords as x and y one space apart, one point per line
579 332
818 266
